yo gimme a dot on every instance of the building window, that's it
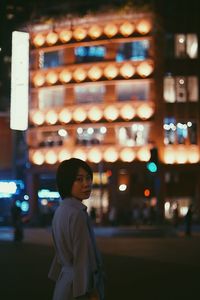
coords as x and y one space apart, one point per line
132 91
89 93
90 135
181 89
51 97
90 53
193 88
192 132
135 135
169 131
51 59
138 50
186 45
179 132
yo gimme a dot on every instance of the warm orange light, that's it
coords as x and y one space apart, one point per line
64 154
127 155
38 157
181 155
79 115
65 36
51 77
39 80
127 112
110 154
38 118
193 154
65 76
169 155
111 113
39 40
51 38
145 111
110 30
95 73
127 70
127 28
95 31
51 117
95 114
95 155
143 154
79 74
147 192
144 26
80 33
65 116
50 157
144 69
79 153
111 71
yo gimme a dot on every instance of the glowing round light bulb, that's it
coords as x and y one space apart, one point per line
51 38
144 27
39 80
39 40
127 155
127 28
79 114
65 76
38 157
65 116
65 36
95 31
110 30
111 113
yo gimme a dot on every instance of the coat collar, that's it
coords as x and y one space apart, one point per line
74 202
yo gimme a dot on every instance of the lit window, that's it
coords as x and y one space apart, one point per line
51 59
87 54
181 89
89 93
169 131
135 135
182 132
51 97
89 136
169 89
186 45
132 91
138 50
181 92
192 45
193 88
192 132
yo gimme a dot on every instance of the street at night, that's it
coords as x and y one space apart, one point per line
136 267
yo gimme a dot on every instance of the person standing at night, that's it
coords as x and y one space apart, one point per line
77 265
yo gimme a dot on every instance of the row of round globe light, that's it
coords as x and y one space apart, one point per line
111 154
95 155
181 154
94 32
110 71
94 114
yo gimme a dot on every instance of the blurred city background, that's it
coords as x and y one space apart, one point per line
115 83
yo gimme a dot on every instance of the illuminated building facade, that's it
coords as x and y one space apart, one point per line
99 92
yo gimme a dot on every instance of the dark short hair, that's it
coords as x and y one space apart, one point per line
66 175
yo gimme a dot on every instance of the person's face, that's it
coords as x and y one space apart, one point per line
82 185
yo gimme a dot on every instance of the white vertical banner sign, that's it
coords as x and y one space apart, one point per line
19 81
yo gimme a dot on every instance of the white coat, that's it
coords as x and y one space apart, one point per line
76 267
